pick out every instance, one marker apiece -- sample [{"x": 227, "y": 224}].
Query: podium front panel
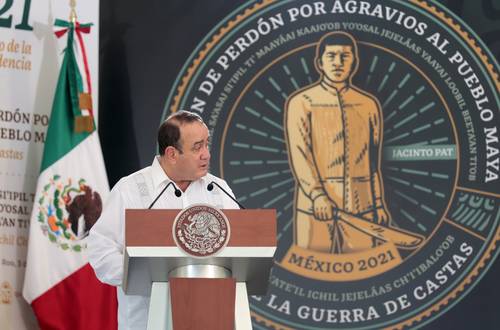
[{"x": 151, "y": 253}]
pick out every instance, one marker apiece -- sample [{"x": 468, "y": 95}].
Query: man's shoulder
[
  {"x": 363, "y": 97},
  {"x": 308, "y": 93},
  {"x": 134, "y": 177}
]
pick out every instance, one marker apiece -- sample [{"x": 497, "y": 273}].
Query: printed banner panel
[
  {"x": 372, "y": 127},
  {"x": 30, "y": 56}
]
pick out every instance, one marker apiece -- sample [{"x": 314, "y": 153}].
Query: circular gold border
[
  {"x": 440, "y": 16},
  {"x": 465, "y": 36}
]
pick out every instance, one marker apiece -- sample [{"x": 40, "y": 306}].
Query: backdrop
[
  {"x": 30, "y": 58},
  {"x": 158, "y": 55}
]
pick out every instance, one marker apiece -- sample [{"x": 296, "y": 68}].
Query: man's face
[
  {"x": 193, "y": 162},
  {"x": 336, "y": 62}
]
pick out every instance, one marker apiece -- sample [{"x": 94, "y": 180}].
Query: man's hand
[
  {"x": 381, "y": 217},
  {"x": 323, "y": 208}
]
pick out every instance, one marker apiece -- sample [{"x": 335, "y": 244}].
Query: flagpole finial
[{"x": 72, "y": 13}]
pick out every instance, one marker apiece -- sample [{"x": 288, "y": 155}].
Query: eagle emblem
[
  {"x": 201, "y": 230},
  {"x": 67, "y": 211}
]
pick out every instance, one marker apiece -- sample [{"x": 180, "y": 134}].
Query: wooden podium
[{"x": 198, "y": 293}]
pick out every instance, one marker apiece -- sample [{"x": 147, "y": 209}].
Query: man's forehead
[
  {"x": 192, "y": 132},
  {"x": 338, "y": 48}
]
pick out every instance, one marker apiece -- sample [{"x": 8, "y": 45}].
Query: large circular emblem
[
  {"x": 201, "y": 230},
  {"x": 372, "y": 128}
]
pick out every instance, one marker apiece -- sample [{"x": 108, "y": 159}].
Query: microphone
[
  {"x": 210, "y": 187},
  {"x": 177, "y": 192}
]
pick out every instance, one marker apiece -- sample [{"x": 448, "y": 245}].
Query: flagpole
[
  {"x": 83, "y": 122},
  {"x": 72, "y": 13}
]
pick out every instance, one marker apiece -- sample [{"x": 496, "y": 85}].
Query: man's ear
[
  {"x": 319, "y": 65},
  {"x": 171, "y": 154}
]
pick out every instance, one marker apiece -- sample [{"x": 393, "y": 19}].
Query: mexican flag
[{"x": 59, "y": 283}]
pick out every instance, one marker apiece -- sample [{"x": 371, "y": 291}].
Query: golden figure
[{"x": 334, "y": 137}]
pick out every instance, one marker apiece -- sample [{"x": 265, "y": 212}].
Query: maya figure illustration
[{"x": 334, "y": 138}]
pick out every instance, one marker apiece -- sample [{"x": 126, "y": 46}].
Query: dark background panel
[{"x": 143, "y": 47}]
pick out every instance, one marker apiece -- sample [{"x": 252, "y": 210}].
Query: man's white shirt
[{"x": 106, "y": 238}]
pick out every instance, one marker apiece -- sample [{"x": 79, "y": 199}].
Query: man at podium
[{"x": 176, "y": 179}]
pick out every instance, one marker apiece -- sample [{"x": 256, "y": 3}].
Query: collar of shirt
[
  {"x": 332, "y": 89},
  {"x": 160, "y": 178}
]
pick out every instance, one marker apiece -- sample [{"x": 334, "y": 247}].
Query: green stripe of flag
[{"x": 61, "y": 137}]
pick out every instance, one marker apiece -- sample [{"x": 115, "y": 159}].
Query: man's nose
[
  {"x": 205, "y": 155},
  {"x": 337, "y": 60}
]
